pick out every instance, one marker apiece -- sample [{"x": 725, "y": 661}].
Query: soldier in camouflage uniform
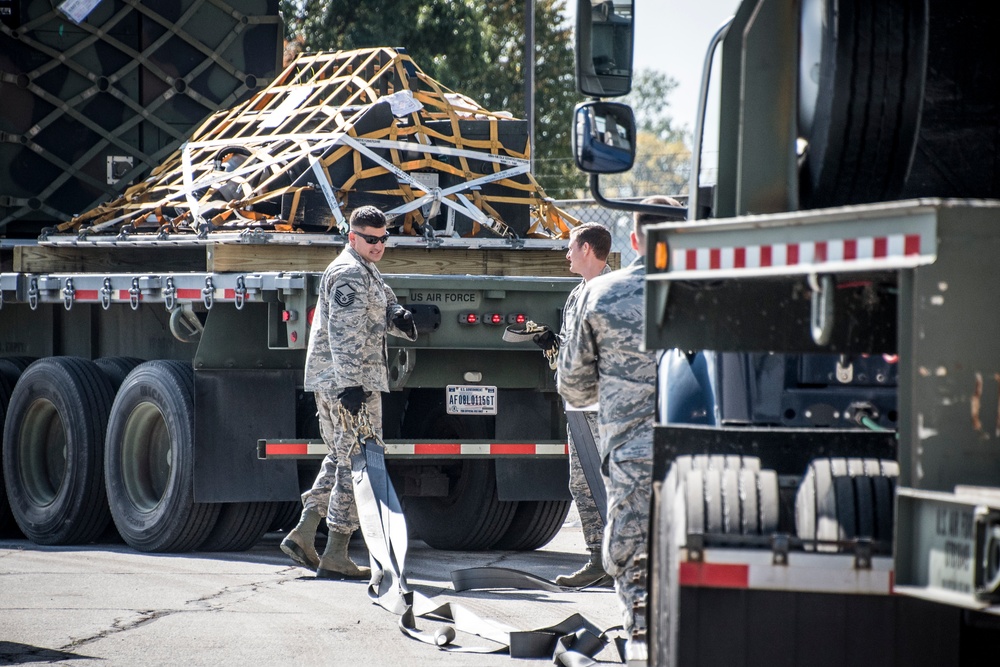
[
  {"x": 346, "y": 365},
  {"x": 589, "y": 246},
  {"x": 604, "y": 362}
]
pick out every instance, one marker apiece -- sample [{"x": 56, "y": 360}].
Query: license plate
[{"x": 471, "y": 400}]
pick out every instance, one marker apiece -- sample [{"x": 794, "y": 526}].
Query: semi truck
[
  {"x": 170, "y": 194},
  {"x": 826, "y": 471}
]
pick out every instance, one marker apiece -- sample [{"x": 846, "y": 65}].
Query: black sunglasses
[{"x": 372, "y": 239}]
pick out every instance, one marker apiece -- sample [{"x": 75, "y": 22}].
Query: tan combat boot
[
  {"x": 588, "y": 575},
  {"x": 300, "y": 543},
  {"x": 336, "y": 564}
]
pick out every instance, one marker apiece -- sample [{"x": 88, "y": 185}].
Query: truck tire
[
  {"x": 725, "y": 494},
  {"x": 149, "y": 461},
  {"x": 534, "y": 525},
  {"x": 861, "y": 86},
  {"x": 53, "y": 451},
  {"x": 664, "y": 539},
  {"x": 679, "y": 508},
  {"x": 714, "y": 506},
  {"x": 117, "y": 368},
  {"x": 286, "y": 515},
  {"x": 10, "y": 370},
  {"x": 469, "y": 518},
  {"x": 845, "y": 499},
  {"x": 240, "y": 526},
  {"x": 8, "y": 527}
]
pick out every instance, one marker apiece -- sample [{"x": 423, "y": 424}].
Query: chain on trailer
[{"x": 335, "y": 131}]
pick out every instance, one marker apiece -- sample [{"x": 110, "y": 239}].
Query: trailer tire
[
  {"x": 286, "y": 515},
  {"x": 8, "y": 527},
  {"x": 117, "y": 368},
  {"x": 149, "y": 461},
  {"x": 10, "y": 370},
  {"x": 469, "y": 518},
  {"x": 53, "y": 451},
  {"x": 845, "y": 499},
  {"x": 534, "y": 525},
  {"x": 725, "y": 494},
  {"x": 240, "y": 526}
]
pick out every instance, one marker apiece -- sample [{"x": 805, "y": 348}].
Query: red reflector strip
[
  {"x": 123, "y": 295},
  {"x": 806, "y": 253},
  {"x": 434, "y": 448},
  {"x": 316, "y": 448},
  {"x": 189, "y": 294},
  {"x": 86, "y": 295},
  {"x": 714, "y": 575},
  {"x": 287, "y": 448}
]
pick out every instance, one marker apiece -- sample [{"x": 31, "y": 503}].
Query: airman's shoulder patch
[{"x": 344, "y": 295}]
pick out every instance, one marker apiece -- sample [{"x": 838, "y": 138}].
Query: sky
[{"x": 672, "y": 36}]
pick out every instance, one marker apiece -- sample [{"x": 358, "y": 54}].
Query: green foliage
[
  {"x": 650, "y": 92},
  {"x": 663, "y": 160},
  {"x": 474, "y": 48}
]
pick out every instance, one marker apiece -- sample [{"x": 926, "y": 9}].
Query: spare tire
[{"x": 861, "y": 83}]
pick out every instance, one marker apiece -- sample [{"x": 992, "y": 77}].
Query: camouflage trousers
[
  {"x": 590, "y": 518},
  {"x": 332, "y": 492},
  {"x": 627, "y": 532}
]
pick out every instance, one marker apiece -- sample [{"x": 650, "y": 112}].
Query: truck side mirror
[
  {"x": 604, "y": 30},
  {"x": 603, "y": 137}
]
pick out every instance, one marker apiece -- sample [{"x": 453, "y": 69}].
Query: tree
[
  {"x": 649, "y": 99},
  {"x": 472, "y": 47},
  {"x": 663, "y": 160}
]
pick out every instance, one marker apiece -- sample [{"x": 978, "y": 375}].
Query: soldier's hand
[
  {"x": 403, "y": 320},
  {"x": 547, "y": 340},
  {"x": 352, "y": 399}
]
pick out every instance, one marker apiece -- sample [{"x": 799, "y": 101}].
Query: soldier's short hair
[
  {"x": 367, "y": 216},
  {"x": 642, "y": 219},
  {"x": 594, "y": 233}
]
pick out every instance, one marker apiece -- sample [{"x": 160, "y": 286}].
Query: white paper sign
[{"x": 78, "y": 10}]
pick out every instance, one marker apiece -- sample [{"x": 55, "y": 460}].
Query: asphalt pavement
[{"x": 109, "y": 605}]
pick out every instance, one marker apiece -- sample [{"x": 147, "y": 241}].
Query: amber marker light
[{"x": 660, "y": 258}]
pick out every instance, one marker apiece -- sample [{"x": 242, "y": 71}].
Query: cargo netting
[{"x": 335, "y": 131}]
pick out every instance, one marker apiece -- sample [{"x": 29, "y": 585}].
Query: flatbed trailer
[{"x": 171, "y": 192}]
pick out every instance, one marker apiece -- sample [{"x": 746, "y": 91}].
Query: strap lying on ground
[{"x": 572, "y": 642}]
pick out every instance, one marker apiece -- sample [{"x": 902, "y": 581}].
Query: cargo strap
[
  {"x": 590, "y": 459},
  {"x": 527, "y": 332},
  {"x": 571, "y": 643}
]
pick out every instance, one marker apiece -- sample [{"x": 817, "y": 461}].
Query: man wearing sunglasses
[{"x": 346, "y": 365}]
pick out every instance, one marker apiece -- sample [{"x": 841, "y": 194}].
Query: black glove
[
  {"x": 352, "y": 399},
  {"x": 547, "y": 340},
  {"x": 403, "y": 320}
]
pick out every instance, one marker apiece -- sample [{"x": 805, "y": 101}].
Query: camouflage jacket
[
  {"x": 603, "y": 361},
  {"x": 347, "y": 341},
  {"x": 570, "y": 307}
]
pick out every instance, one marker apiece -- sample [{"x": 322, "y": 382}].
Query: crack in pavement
[{"x": 201, "y": 604}]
